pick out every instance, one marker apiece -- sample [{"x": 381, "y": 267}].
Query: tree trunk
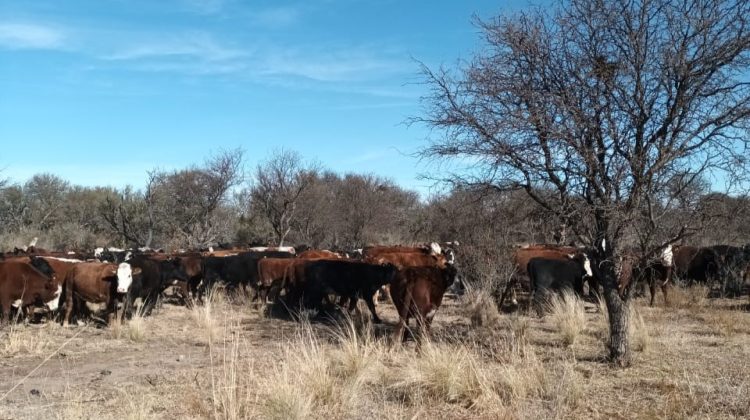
[{"x": 619, "y": 328}]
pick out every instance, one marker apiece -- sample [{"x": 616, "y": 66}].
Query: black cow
[
  {"x": 350, "y": 280},
  {"x": 155, "y": 277},
  {"x": 236, "y": 270},
  {"x": 550, "y": 275}
]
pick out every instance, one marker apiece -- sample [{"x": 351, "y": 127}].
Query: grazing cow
[
  {"x": 97, "y": 283},
  {"x": 556, "y": 275},
  {"x": 28, "y": 283},
  {"x": 156, "y": 276},
  {"x": 350, "y": 280},
  {"x": 418, "y": 292}
]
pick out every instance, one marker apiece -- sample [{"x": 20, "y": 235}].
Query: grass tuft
[{"x": 569, "y": 316}]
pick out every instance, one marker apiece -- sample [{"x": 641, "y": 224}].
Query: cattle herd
[{"x": 38, "y": 284}]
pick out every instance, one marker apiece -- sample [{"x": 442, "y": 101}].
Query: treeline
[{"x": 285, "y": 200}]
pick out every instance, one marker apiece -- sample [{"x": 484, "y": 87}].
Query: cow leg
[
  {"x": 371, "y": 306},
  {"x": 6, "y": 311},
  {"x": 399, "y": 335},
  {"x": 422, "y": 328},
  {"x": 149, "y": 303},
  {"x": 508, "y": 288},
  {"x": 69, "y": 301},
  {"x": 652, "y": 289}
]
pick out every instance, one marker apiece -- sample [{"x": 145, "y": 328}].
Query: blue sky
[{"x": 100, "y": 91}]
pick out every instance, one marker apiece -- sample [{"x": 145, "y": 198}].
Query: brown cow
[
  {"x": 403, "y": 260},
  {"x": 318, "y": 254},
  {"x": 28, "y": 283},
  {"x": 409, "y": 259},
  {"x": 97, "y": 283},
  {"x": 418, "y": 292},
  {"x": 272, "y": 273},
  {"x": 374, "y": 251}
]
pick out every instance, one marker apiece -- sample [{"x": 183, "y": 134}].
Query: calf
[
  {"x": 418, "y": 292},
  {"x": 97, "y": 283},
  {"x": 23, "y": 284}
]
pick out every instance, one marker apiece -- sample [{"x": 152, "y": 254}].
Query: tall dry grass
[
  {"x": 206, "y": 316},
  {"x": 20, "y": 339},
  {"x": 568, "y": 315}
]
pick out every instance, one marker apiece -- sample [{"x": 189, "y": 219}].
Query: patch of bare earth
[{"x": 692, "y": 360}]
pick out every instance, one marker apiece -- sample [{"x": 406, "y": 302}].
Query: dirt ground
[{"x": 692, "y": 360}]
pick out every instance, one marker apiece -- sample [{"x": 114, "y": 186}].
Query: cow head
[
  {"x": 125, "y": 275},
  {"x": 43, "y": 266},
  {"x": 450, "y": 256},
  {"x": 173, "y": 271},
  {"x": 389, "y": 272},
  {"x": 585, "y": 262},
  {"x": 450, "y": 277}
]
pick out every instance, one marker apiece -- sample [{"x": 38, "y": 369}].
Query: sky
[{"x": 101, "y": 91}]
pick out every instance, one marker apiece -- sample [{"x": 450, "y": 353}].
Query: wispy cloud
[
  {"x": 330, "y": 65},
  {"x": 194, "y": 45},
  {"x": 30, "y": 36}
]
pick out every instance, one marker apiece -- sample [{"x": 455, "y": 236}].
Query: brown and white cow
[
  {"x": 23, "y": 284},
  {"x": 97, "y": 283}
]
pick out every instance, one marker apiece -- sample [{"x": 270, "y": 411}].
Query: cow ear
[
  {"x": 113, "y": 271},
  {"x": 136, "y": 271}
]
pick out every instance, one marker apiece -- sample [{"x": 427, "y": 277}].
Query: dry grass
[
  {"x": 640, "y": 338},
  {"x": 136, "y": 330},
  {"x": 259, "y": 367},
  {"x": 481, "y": 308},
  {"x": 22, "y": 340},
  {"x": 690, "y": 298},
  {"x": 569, "y": 316},
  {"x": 205, "y": 316}
]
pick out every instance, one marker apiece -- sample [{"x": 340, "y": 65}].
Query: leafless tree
[
  {"x": 603, "y": 103},
  {"x": 180, "y": 207},
  {"x": 126, "y": 215},
  {"x": 187, "y": 200},
  {"x": 279, "y": 182}
]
